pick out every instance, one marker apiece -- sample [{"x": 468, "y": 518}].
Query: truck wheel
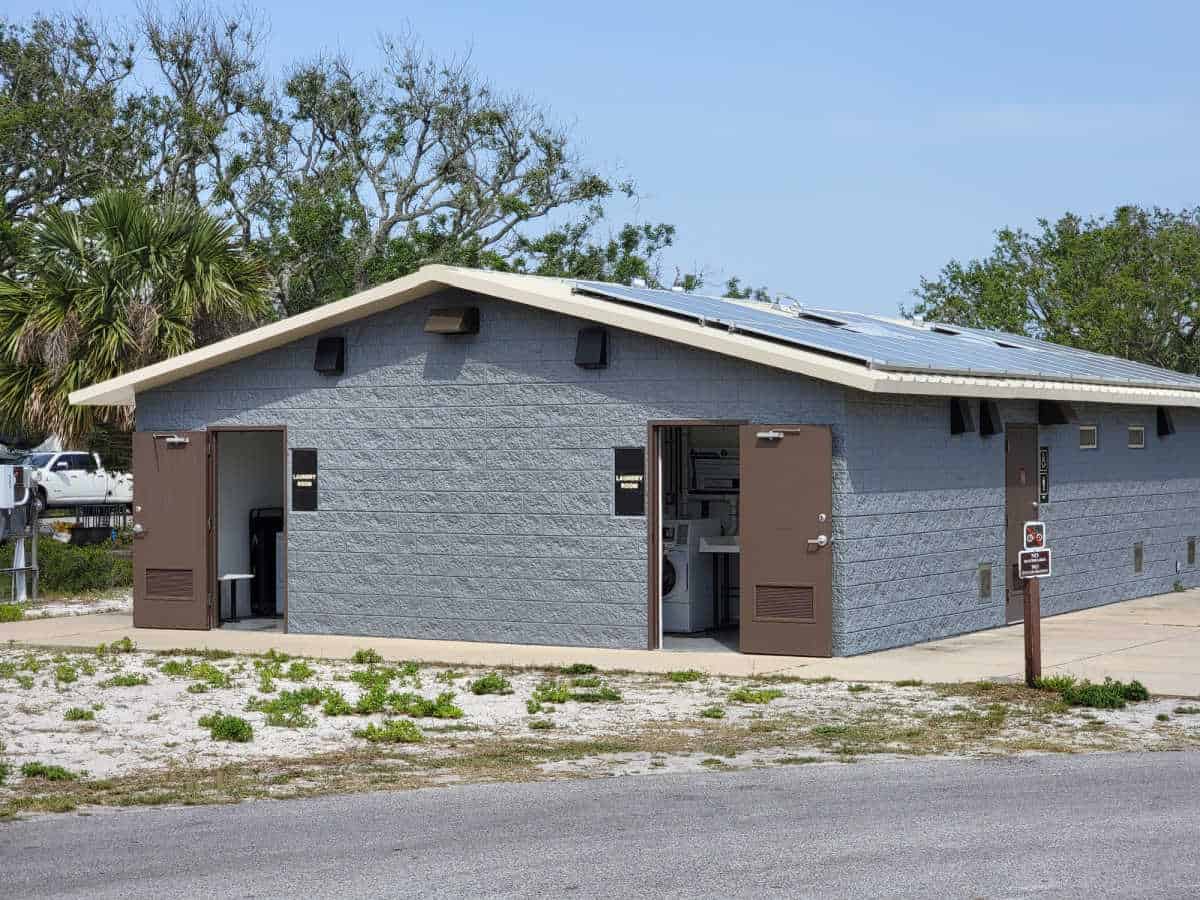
[{"x": 39, "y": 500}]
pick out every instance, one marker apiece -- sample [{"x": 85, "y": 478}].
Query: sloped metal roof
[{"x": 897, "y": 345}]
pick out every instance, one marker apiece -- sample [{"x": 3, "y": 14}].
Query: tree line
[{"x": 163, "y": 187}]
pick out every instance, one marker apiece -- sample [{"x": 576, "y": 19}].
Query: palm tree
[{"x": 117, "y": 285}]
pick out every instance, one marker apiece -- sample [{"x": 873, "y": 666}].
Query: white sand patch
[
  {"x": 155, "y": 725},
  {"x": 119, "y": 601}
]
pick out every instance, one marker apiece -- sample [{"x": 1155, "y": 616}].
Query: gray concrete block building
[{"x": 481, "y": 456}]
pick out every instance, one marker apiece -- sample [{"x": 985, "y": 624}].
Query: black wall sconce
[
  {"x": 331, "y": 356},
  {"x": 591, "y": 348}
]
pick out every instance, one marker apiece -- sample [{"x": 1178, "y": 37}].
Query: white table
[
  {"x": 721, "y": 548},
  {"x": 233, "y": 578}
]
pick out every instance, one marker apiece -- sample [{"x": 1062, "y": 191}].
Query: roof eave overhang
[{"x": 556, "y": 296}]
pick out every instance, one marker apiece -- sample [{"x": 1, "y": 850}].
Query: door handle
[{"x": 819, "y": 541}]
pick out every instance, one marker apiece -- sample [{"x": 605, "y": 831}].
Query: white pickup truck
[{"x": 70, "y": 478}]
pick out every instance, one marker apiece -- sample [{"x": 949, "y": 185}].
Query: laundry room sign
[
  {"x": 629, "y": 485},
  {"x": 304, "y": 479}
]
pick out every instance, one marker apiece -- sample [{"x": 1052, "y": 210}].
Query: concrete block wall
[
  {"x": 923, "y": 509},
  {"x": 466, "y": 481}
]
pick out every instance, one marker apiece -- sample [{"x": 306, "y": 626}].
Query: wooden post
[{"x": 1033, "y": 631}]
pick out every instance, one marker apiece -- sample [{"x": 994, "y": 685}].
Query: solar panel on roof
[{"x": 896, "y": 345}]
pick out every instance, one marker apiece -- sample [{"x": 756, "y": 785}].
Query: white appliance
[{"x": 687, "y": 578}]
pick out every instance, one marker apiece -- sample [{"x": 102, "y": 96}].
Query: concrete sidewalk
[{"x": 1155, "y": 639}]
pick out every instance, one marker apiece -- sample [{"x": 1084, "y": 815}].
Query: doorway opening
[
  {"x": 697, "y": 502},
  {"x": 250, "y": 534}
]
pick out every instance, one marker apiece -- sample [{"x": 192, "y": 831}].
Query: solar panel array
[{"x": 896, "y": 345}]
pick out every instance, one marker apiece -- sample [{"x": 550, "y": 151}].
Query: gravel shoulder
[{"x": 125, "y": 725}]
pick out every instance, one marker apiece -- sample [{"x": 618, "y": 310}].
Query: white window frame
[
  {"x": 1140, "y": 432},
  {"x": 1095, "y": 444}
]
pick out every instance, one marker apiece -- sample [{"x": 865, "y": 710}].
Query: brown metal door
[
  {"x": 170, "y": 546},
  {"x": 785, "y": 514},
  {"x": 1020, "y": 502}
]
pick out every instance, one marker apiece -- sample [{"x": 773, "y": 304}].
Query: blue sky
[{"x": 836, "y": 152}]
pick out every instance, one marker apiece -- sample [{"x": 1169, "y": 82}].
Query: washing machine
[{"x": 687, "y": 575}]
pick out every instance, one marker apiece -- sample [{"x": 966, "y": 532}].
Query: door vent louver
[
  {"x": 784, "y": 603},
  {"x": 169, "y": 584}
]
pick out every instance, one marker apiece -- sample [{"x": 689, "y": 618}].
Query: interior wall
[{"x": 250, "y": 474}]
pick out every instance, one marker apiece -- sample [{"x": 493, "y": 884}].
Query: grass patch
[
  {"x": 588, "y": 681},
  {"x": 5, "y": 768},
  {"x": 909, "y": 682},
  {"x": 685, "y": 676},
  {"x": 11, "y": 612},
  {"x": 336, "y": 704},
  {"x": 222, "y": 727},
  {"x": 540, "y": 724},
  {"x": 1187, "y": 710},
  {"x": 603, "y": 694},
  {"x": 450, "y": 676},
  {"x": 65, "y": 674},
  {"x": 492, "y": 683},
  {"x": 391, "y": 731},
  {"x": 754, "y": 695},
  {"x": 126, "y": 679},
  {"x": 124, "y": 645},
  {"x": 208, "y": 653},
  {"x": 858, "y": 688},
  {"x": 299, "y": 671},
  {"x": 366, "y": 656},
  {"x": 78, "y": 714},
  {"x": 440, "y": 707},
  {"x": 712, "y": 712},
  {"x": 798, "y": 760},
  {"x": 47, "y": 772},
  {"x": 201, "y": 672},
  {"x": 1163, "y": 717}
]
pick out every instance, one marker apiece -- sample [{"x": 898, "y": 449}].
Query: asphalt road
[{"x": 1083, "y": 826}]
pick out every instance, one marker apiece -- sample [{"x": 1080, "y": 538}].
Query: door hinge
[{"x": 209, "y": 523}]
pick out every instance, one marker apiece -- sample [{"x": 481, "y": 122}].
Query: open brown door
[
  {"x": 170, "y": 527},
  {"x": 1021, "y": 506},
  {"x": 785, "y": 515}
]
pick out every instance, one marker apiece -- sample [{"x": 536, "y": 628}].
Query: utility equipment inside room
[{"x": 701, "y": 480}]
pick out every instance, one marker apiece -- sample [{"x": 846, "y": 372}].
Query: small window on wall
[
  {"x": 1089, "y": 437},
  {"x": 1137, "y": 437}
]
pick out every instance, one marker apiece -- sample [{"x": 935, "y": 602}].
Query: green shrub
[
  {"x": 222, "y": 727},
  {"x": 48, "y": 772},
  {"x": 1187, "y": 710},
  {"x": 373, "y": 700},
  {"x": 492, "y": 683},
  {"x": 204, "y": 672},
  {"x": 578, "y": 669},
  {"x": 11, "y": 612},
  {"x": 1163, "y": 717},
  {"x": 392, "y": 731},
  {"x": 551, "y": 691},
  {"x": 68, "y": 569},
  {"x": 754, "y": 695},
  {"x": 65, "y": 674},
  {"x": 589, "y": 681},
  {"x": 712, "y": 712},
  {"x": 603, "y": 694},
  {"x": 126, "y": 679},
  {"x": 366, "y": 656},
  {"x": 541, "y": 724},
  {"x": 76, "y": 714},
  {"x": 685, "y": 675}
]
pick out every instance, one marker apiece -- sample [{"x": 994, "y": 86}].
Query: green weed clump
[
  {"x": 440, "y": 707},
  {"x": 578, "y": 669},
  {"x": 541, "y": 724},
  {"x": 588, "y": 681},
  {"x": 124, "y": 645},
  {"x": 603, "y": 694},
  {"x": 492, "y": 683},
  {"x": 754, "y": 695},
  {"x": 858, "y": 688},
  {"x": 1111, "y": 694},
  {"x": 222, "y": 727},
  {"x": 287, "y": 710},
  {"x": 11, "y": 612},
  {"x": 366, "y": 656},
  {"x": 8, "y": 669},
  {"x": 201, "y": 672},
  {"x": 1187, "y": 710},
  {"x": 391, "y": 731},
  {"x": 551, "y": 691},
  {"x": 126, "y": 679},
  {"x": 77, "y": 714},
  {"x": 65, "y": 674},
  {"x": 336, "y": 704},
  {"x": 909, "y": 682},
  {"x": 299, "y": 671},
  {"x": 712, "y": 712},
  {"x": 47, "y": 772},
  {"x": 5, "y": 768},
  {"x": 685, "y": 676}
]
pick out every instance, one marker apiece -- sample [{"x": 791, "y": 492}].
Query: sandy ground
[
  {"x": 117, "y": 601},
  {"x": 155, "y": 725}
]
